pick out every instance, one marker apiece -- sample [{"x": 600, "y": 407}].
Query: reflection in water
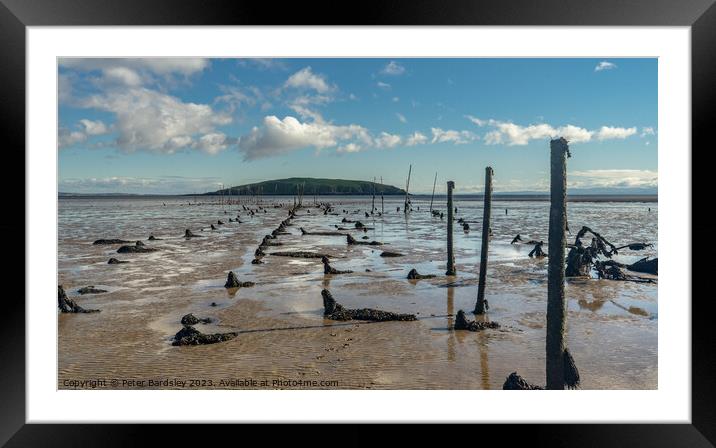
[
  {"x": 450, "y": 323},
  {"x": 280, "y": 320},
  {"x": 591, "y": 305}
]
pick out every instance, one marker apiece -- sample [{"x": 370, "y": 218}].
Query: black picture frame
[{"x": 16, "y": 15}]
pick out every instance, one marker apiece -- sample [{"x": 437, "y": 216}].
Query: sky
[{"x": 189, "y": 125}]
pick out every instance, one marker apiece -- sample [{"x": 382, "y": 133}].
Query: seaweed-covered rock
[
  {"x": 461, "y": 323},
  {"x": 212, "y": 227},
  {"x": 190, "y": 319},
  {"x": 537, "y": 251},
  {"x": 413, "y": 275},
  {"x": 353, "y": 241},
  {"x": 334, "y": 311},
  {"x": 116, "y": 261},
  {"x": 138, "y": 248},
  {"x": 219, "y": 222},
  {"x": 233, "y": 282},
  {"x": 189, "y": 234},
  {"x": 516, "y": 239},
  {"x": 386, "y": 253},
  {"x": 299, "y": 254},
  {"x": 646, "y": 266},
  {"x": 111, "y": 241},
  {"x": 153, "y": 238},
  {"x": 67, "y": 305},
  {"x": 305, "y": 232},
  {"x": 328, "y": 269},
  {"x": 191, "y": 336},
  {"x": 516, "y": 382},
  {"x": 90, "y": 290},
  {"x": 256, "y": 261}
]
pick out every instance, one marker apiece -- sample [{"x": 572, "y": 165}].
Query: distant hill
[{"x": 310, "y": 187}]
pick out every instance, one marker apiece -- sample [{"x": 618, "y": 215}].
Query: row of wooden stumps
[
  {"x": 481, "y": 306},
  {"x": 560, "y": 369}
]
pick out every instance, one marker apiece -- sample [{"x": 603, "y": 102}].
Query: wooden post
[
  {"x": 382, "y": 204},
  {"x": 372, "y": 205},
  {"x": 407, "y": 186},
  {"x": 481, "y": 306},
  {"x": 556, "y": 304},
  {"x": 433, "y": 195},
  {"x": 450, "y": 252}
]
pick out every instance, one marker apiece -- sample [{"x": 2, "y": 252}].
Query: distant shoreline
[{"x": 505, "y": 197}]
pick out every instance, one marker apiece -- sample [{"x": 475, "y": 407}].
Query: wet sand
[{"x": 612, "y": 326}]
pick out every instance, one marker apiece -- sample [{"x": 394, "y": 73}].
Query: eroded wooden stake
[
  {"x": 481, "y": 306},
  {"x": 450, "y": 253},
  {"x": 556, "y": 304}
]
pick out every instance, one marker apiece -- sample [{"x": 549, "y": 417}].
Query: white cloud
[
  {"x": 154, "y": 121},
  {"x": 383, "y": 85},
  {"x": 647, "y": 131},
  {"x": 604, "y": 65},
  {"x": 67, "y": 138},
  {"x": 142, "y": 185},
  {"x": 276, "y": 137},
  {"x": 213, "y": 143},
  {"x": 393, "y": 68},
  {"x": 476, "y": 120},
  {"x": 613, "y": 178},
  {"x": 158, "y": 66},
  {"x": 350, "y": 147},
  {"x": 609, "y": 132},
  {"x": 306, "y": 79},
  {"x": 451, "y": 136},
  {"x": 416, "y": 138},
  {"x": 94, "y": 127},
  {"x": 122, "y": 75},
  {"x": 395, "y": 99},
  {"x": 401, "y": 117},
  {"x": 386, "y": 140},
  {"x": 517, "y": 135},
  {"x": 86, "y": 128}
]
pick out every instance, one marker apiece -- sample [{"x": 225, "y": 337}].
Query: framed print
[{"x": 415, "y": 213}]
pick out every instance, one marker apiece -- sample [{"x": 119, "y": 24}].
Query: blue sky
[{"x": 189, "y": 125}]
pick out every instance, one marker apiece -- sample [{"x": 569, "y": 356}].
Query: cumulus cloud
[
  {"x": 476, "y": 120},
  {"x": 386, "y": 140},
  {"x": 306, "y": 79},
  {"x": 276, "y": 137},
  {"x": 605, "y": 65},
  {"x": 613, "y": 178},
  {"x": 393, "y": 68},
  {"x": 451, "y": 136},
  {"x": 213, "y": 143},
  {"x": 94, "y": 127},
  {"x": 158, "y": 66},
  {"x": 154, "y": 121},
  {"x": 610, "y": 132},
  {"x": 416, "y": 138},
  {"x": 350, "y": 147},
  {"x": 513, "y": 134},
  {"x": 84, "y": 129}
]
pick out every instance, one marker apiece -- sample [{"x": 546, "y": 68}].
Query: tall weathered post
[
  {"x": 382, "y": 204},
  {"x": 407, "y": 187},
  {"x": 450, "y": 252},
  {"x": 556, "y": 304},
  {"x": 481, "y": 306},
  {"x": 433, "y": 195},
  {"x": 372, "y": 205}
]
